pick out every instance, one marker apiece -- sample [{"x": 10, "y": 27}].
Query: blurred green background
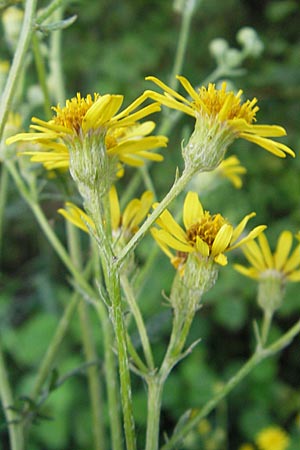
[{"x": 111, "y": 47}]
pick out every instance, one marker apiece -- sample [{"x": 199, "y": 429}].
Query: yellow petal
[
  {"x": 252, "y": 235},
  {"x": 171, "y": 103},
  {"x": 101, "y": 111},
  {"x": 202, "y": 247},
  {"x": 274, "y": 147},
  {"x": 144, "y": 206},
  {"x": 254, "y": 255},
  {"x": 241, "y": 226},
  {"x": 247, "y": 271},
  {"x": 172, "y": 242},
  {"x": 192, "y": 210},
  {"x": 166, "y": 89},
  {"x": 162, "y": 245},
  {"x": 222, "y": 239},
  {"x": 283, "y": 248},
  {"x": 293, "y": 261},
  {"x": 188, "y": 87},
  {"x": 130, "y": 212},
  {"x": 115, "y": 212},
  {"x": 166, "y": 221},
  {"x": 294, "y": 276},
  {"x": 221, "y": 259},
  {"x": 266, "y": 251}
]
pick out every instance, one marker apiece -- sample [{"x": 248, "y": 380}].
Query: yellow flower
[
  {"x": 272, "y": 438},
  {"x": 123, "y": 225},
  {"x": 217, "y": 106},
  {"x": 232, "y": 169},
  {"x": 98, "y": 118},
  {"x": 264, "y": 263},
  {"x": 205, "y": 235}
]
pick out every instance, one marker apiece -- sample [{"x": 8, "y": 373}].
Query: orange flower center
[
  {"x": 213, "y": 101},
  {"x": 71, "y": 115},
  {"x": 207, "y": 228}
]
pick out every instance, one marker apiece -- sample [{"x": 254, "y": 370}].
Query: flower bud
[
  {"x": 249, "y": 39},
  {"x": 233, "y": 58},
  {"x": 270, "y": 291},
  {"x": 218, "y": 47}
]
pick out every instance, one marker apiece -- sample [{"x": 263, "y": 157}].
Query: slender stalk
[
  {"x": 155, "y": 387},
  {"x": 55, "y": 60},
  {"x": 111, "y": 379},
  {"x": 3, "y": 197},
  {"x": 138, "y": 320},
  {"x": 252, "y": 362},
  {"x": 55, "y": 4},
  {"x": 177, "y": 187},
  {"x": 267, "y": 320},
  {"x": 89, "y": 347},
  {"x": 41, "y": 72},
  {"x": 18, "y": 61},
  {"x": 14, "y": 427},
  {"x": 100, "y": 211},
  {"x": 187, "y": 15},
  {"x": 54, "y": 346}
]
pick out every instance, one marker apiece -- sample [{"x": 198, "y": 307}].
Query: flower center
[
  {"x": 214, "y": 101},
  {"x": 71, "y": 115},
  {"x": 206, "y": 229}
]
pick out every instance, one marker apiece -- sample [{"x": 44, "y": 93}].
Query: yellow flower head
[
  {"x": 280, "y": 264},
  {"x": 272, "y": 438},
  {"x": 230, "y": 169},
  {"x": 272, "y": 270},
  {"x": 205, "y": 235},
  {"x": 123, "y": 225},
  {"x": 94, "y": 118},
  {"x": 221, "y": 117}
]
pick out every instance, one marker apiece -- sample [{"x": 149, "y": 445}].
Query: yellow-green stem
[
  {"x": 175, "y": 190},
  {"x": 127, "y": 288},
  {"x": 3, "y": 197},
  {"x": 93, "y": 374},
  {"x": 41, "y": 72},
  {"x": 7, "y": 400},
  {"x": 253, "y": 361},
  {"x": 18, "y": 62},
  {"x": 99, "y": 210}
]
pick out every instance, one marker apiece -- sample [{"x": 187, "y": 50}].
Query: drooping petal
[
  {"x": 221, "y": 259},
  {"x": 247, "y": 271},
  {"x": 202, "y": 247},
  {"x": 274, "y": 147},
  {"x": 172, "y": 242}
]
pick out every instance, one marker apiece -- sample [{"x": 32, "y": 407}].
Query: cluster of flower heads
[{"x": 220, "y": 115}]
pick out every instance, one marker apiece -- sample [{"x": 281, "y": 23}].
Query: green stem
[
  {"x": 111, "y": 379},
  {"x": 257, "y": 357},
  {"x": 155, "y": 387},
  {"x": 267, "y": 320},
  {"x": 55, "y": 60},
  {"x": 138, "y": 320},
  {"x": 49, "y": 10},
  {"x": 41, "y": 72},
  {"x": 18, "y": 62},
  {"x": 177, "y": 187},
  {"x": 100, "y": 212},
  {"x": 120, "y": 332},
  {"x": 49, "y": 233},
  {"x": 14, "y": 427},
  {"x": 3, "y": 197},
  {"x": 181, "y": 45},
  {"x": 89, "y": 347},
  {"x": 54, "y": 346}
]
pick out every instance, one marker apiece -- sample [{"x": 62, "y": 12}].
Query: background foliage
[{"x": 111, "y": 47}]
